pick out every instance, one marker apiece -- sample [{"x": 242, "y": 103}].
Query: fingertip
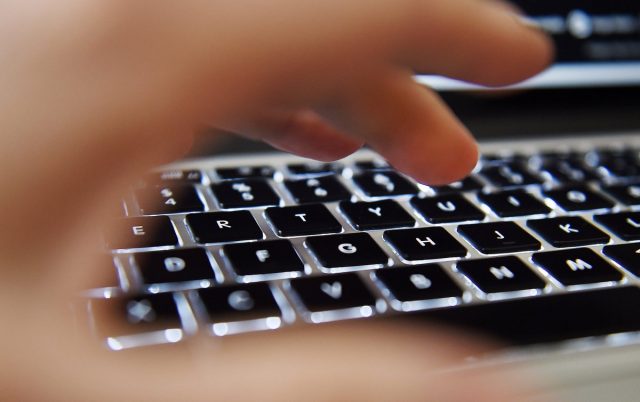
[
  {"x": 524, "y": 49},
  {"x": 436, "y": 162}
]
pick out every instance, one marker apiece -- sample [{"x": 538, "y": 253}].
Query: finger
[
  {"x": 410, "y": 126},
  {"x": 485, "y": 42},
  {"x": 334, "y": 41},
  {"x": 354, "y": 363},
  {"x": 302, "y": 132}
]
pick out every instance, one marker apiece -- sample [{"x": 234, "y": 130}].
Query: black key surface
[
  {"x": 304, "y": 169},
  {"x": 447, "y": 208},
  {"x": 509, "y": 175},
  {"x": 245, "y": 172},
  {"x": 424, "y": 243},
  {"x": 239, "y": 303},
  {"x": 542, "y": 319},
  {"x": 615, "y": 162},
  {"x": 245, "y": 193},
  {"x": 218, "y": 227},
  {"x": 346, "y": 250},
  {"x": 371, "y": 165},
  {"x": 568, "y": 231},
  {"x": 626, "y": 225},
  {"x": 303, "y": 220},
  {"x": 513, "y": 203},
  {"x": 576, "y": 266},
  {"x": 419, "y": 282},
  {"x": 568, "y": 171},
  {"x": 263, "y": 257},
  {"x": 332, "y": 292},
  {"x": 499, "y": 237},
  {"x": 168, "y": 199},
  {"x": 134, "y": 315},
  {"x": 383, "y": 184},
  {"x": 149, "y": 231},
  {"x": 317, "y": 189},
  {"x": 628, "y": 194},
  {"x": 500, "y": 274},
  {"x": 179, "y": 265},
  {"x": 384, "y": 214},
  {"x": 627, "y": 255},
  {"x": 469, "y": 183},
  {"x": 170, "y": 177},
  {"x": 578, "y": 198}
]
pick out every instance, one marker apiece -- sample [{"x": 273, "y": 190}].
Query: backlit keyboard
[{"x": 536, "y": 245}]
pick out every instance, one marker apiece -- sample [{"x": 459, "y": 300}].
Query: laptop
[{"x": 539, "y": 247}]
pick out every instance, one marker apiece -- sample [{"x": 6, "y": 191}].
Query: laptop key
[
  {"x": 627, "y": 255},
  {"x": 384, "y": 214},
  {"x": 347, "y": 250},
  {"x": 544, "y": 319},
  {"x": 218, "y": 227},
  {"x": 499, "y": 237},
  {"x": 469, "y": 183},
  {"x": 245, "y": 193},
  {"x": 148, "y": 231},
  {"x": 263, "y": 257},
  {"x": 420, "y": 282},
  {"x": 334, "y": 292},
  {"x": 500, "y": 274},
  {"x": 626, "y": 225},
  {"x": 371, "y": 165},
  {"x": 513, "y": 203},
  {"x": 168, "y": 177},
  {"x": 568, "y": 231},
  {"x": 619, "y": 163},
  {"x": 182, "y": 265},
  {"x": 628, "y": 194},
  {"x": 239, "y": 303},
  {"x": 447, "y": 208},
  {"x": 303, "y": 220},
  {"x": 578, "y": 198},
  {"x": 318, "y": 189},
  {"x": 424, "y": 243},
  {"x": 568, "y": 171},
  {"x": 304, "y": 169},
  {"x": 509, "y": 175},
  {"x": 245, "y": 172},
  {"x": 168, "y": 199},
  {"x": 383, "y": 184},
  {"x": 577, "y": 266},
  {"x": 134, "y": 315}
]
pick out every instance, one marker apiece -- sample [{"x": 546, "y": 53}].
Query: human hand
[{"x": 95, "y": 92}]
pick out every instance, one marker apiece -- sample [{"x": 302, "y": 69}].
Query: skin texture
[{"x": 93, "y": 92}]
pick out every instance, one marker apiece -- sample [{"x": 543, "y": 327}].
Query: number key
[
  {"x": 168, "y": 199},
  {"x": 318, "y": 189}
]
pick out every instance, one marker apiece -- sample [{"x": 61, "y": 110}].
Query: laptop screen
[{"x": 597, "y": 44}]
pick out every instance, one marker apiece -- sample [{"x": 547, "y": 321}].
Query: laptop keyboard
[{"x": 543, "y": 239}]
